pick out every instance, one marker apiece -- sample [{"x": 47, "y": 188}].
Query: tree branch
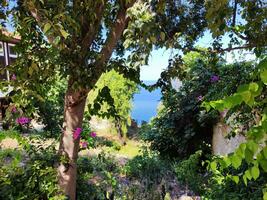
[
  {"x": 234, "y": 13},
  {"x": 248, "y": 46},
  {"x": 36, "y": 15},
  {"x": 115, "y": 33},
  {"x": 93, "y": 28}
]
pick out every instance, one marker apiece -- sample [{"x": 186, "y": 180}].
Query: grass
[{"x": 130, "y": 150}]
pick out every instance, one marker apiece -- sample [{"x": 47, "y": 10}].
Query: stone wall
[{"x": 221, "y": 145}]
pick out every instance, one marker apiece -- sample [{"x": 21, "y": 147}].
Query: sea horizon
[{"x": 145, "y": 103}]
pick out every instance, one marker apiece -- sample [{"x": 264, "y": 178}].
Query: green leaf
[
  {"x": 255, "y": 172},
  {"x": 162, "y": 36},
  {"x": 265, "y": 152},
  {"x": 213, "y": 166},
  {"x": 56, "y": 40},
  {"x": 265, "y": 196},
  {"x": 232, "y": 101},
  {"x": 246, "y": 95},
  {"x": 253, "y": 146},
  {"x": 64, "y": 33},
  {"x": 263, "y": 164},
  {"x": 242, "y": 88},
  {"x": 227, "y": 161},
  {"x": 263, "y": 75},
  {"x": 235, "y": 179},
  {"x": 248, "y": 175},
  {"x": 153, "y": 39},
  {"x": 236, "y": 161},
  {"x": 249, "y": 155},
  {"x": 47, "y": 27},
  {"x": 245, "y": 180},
  {"x": 263, "y": 63},
  {"x": 253, "y": 87}
]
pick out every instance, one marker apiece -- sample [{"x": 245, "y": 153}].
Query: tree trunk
[
  {"x": 120, "y": 133},
  {"x": 69, "y": 147}
]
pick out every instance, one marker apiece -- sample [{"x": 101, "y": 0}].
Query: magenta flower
[
  {"x": 200, "y": 98},
  {"x": 14, "y": 109},
  {"x": 77, "y": 133},
  {"x": 93, "y": 134},
  {"x": 23, "y": 120},
  {"x": 84, "y": 144},
  {"x": 214, "y": 78},
  {"x": 13, "y": 77}
]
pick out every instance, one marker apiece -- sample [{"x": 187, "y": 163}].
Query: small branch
[
  {"x": 234, "y": 13},
  {"x": 93, "y": 28},
  {"x": 233, "y": 48},
  {"x": 39, "y": 19},
  {"x": 248, "y": 46},
  {"x": 115, "y": 33}
]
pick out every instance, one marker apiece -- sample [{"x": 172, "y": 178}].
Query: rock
[{"x": 184, "y": 197}]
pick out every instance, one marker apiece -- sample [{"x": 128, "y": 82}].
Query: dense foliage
[
  {"x": 182, "y": 126},
  {"x": 121, "y": 91},
  {"x": 80, "y": 40},
  {"x": 251, "y": 154},
  {"x": 28, "y": 172}
]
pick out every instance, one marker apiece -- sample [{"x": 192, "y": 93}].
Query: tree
[
  {"x": 82, "y": 39},
  {"x": 79, "y": 40},
  {"x": 121, "y": 91}
]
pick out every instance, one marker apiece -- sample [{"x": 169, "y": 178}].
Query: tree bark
[
  {"x": 68, "y": 150},
  {"x": 120, "y": 133}
]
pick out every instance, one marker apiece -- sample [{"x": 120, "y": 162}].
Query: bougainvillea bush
[{"x": 182, "y": 125}]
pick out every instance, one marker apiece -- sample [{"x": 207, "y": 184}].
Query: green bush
[
  {"x": 191, "y": 172},
  {"x": 222, "y": 186},
  {"x": 97, "y": 177},
  {"x": 218, "y": 184},
  {"x": 147, "y": 166},
  {"x": 28, "y": 172}
]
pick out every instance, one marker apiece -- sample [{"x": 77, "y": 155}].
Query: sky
[{"x": 158, "y": 60}]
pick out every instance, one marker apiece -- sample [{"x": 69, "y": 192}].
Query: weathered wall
[{"x": 222, "y": 145}]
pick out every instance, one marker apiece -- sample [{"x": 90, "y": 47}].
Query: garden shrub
[
  {"x": 144, "y": 177},
  {"x": 97, "y": 177},
  {"x": 191, "y": 172},
  {"x": 210, "y": 185},
  {"x": 147, "y": 166},
  {"x": 221, "y": 186},
  {"x": 50, "y": 110},
  {"x": 28, "y": 172}
]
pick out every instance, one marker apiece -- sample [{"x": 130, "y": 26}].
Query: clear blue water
[{"x": 145, "y": 104}]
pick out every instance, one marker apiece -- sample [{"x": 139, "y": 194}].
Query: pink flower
[
  {"x": 77, "y": 133},
  {"x": 13, "y": 77},
  {"x": 84, "y": 144},
  {"x": 14, "y": 109},
  {"x": 214, "y": 78},
  {"x": 93, "y": 134},
  {"x": 200, "y": 98},
  {"x": 23, "y": 120}
]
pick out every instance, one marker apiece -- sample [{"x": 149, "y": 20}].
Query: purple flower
[
  {"x": 214, "y": 78},
  {"x": 200, "y": 98},
  {"x": 84, "y": 144},
  {"x": 13, "y": 77},
  {"x": 23, "y": 120},
  {"x": 93, "y": 134},
  {"x": 13, "y": 110},
  {"x": 77, "y": 133}
]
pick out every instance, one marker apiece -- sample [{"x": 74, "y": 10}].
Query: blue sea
[{"x": 145, "y": 104}]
